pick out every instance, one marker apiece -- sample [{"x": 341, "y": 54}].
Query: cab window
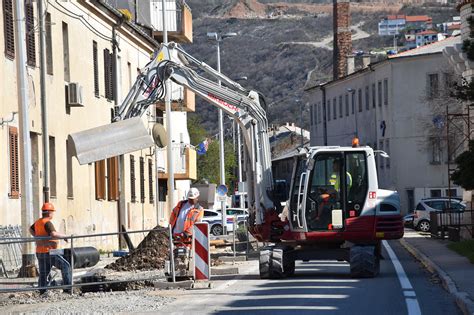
[{"x": 357, "y": 184}]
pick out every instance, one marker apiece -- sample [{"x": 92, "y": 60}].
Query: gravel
[{"x": 146, "y": 300}]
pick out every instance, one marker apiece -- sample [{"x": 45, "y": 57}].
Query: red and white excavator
[{"x": 335, "y": 209}]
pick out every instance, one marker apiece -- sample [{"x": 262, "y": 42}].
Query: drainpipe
[{"x": 28, "y": 256}]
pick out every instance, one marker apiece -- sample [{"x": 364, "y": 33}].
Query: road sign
[
  {"x": 222, "y": 190},
  {"x": 222, "y": 198}
]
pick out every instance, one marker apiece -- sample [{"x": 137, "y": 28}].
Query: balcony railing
[
  {"x": 184, "y": 159},
  {"x": 183, "y": 100},
  {"x": 179, "y": 22}
]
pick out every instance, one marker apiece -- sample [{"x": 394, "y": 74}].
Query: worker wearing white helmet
[{"x": 186, "y": 213}]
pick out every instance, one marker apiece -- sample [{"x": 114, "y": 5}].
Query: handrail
[{"x": 298, "y": 207}]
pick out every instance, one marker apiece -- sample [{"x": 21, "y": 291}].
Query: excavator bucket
[{"x": 110, "y": 140}]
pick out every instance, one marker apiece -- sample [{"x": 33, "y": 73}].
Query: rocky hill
[{"x": 280, "y": 42}]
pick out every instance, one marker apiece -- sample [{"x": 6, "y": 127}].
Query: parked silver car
[{"x": 421, "y": 219}]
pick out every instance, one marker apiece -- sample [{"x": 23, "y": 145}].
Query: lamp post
[{"x": 218, "y": 38}]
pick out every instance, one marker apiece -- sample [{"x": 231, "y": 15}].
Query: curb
[
  {"x": 224, "y": 271},
  {"x": 463, "y": 301}
]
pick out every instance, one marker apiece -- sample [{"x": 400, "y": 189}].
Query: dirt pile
[{"x": 150, "y": 254}]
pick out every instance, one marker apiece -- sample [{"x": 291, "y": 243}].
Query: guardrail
[{"x": 450, "y": 224}]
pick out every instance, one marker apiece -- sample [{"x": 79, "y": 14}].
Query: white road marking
[
  {"x": 280, "y": 307},
  {"x": 306, "y": 287},
  {"x": 300, "y": 296},
  {"x": 411, "y": 302},
  {"x": 409, "y": 293}
]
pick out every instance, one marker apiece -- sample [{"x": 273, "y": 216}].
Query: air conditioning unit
[{"x": 74, "y": 95}]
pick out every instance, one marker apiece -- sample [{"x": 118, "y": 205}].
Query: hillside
[{"x": 280, "y": 42}]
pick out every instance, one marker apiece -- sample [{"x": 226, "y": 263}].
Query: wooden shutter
[
  {"x": 14, "y": 166},
  {"x": 112, "y": 179},
  {"x": 150, "y": 180},
  {"x": 100, "y": 180},
  {"x": 96, "y": 68},
  {"x": 30, "y": 33},
  {"x": 106, "y": 73},
  {"x": 133, "y": 196},
  {"x": 8, "y": 30},
  {"x": 49, "y": 44},
  {"x": 142, "y": 179}
]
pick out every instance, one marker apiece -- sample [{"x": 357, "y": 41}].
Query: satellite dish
[{"x": 159, "y": 135}]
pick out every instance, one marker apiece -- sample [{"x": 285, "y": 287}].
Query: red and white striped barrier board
[{"x": 202, "y": 255}]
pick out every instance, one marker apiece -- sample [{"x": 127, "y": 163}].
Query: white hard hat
[{"x": 193, "y": 193}]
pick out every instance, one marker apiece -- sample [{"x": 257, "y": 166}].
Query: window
[
  {"x": 347, "y": 104},
  {"x": 69, "y": 171},
  {"x": 340, "y": 106},
  {"x": 96, "y": 68},
  {"x": 162, "y": 189},
  {"x": 410, "y": 200},
  {"x": 379, "y": 88},
  {"x": 108, "y": 75},
  {"x": 52, "y": 166},
  {"x": 66, "y": 52},
  {"x": 436, "y": 204},
  {"x": 150, "y": 181},
  {"x": 329, "y": 110},
  {"x": 8, "y": 30},
  {"x": 100, "y": 180},
  {"x": 374, "y": 98},
  {"x": 311, "y": 115},
  {"x": 451, "y": 193},
  {"x": 142, "y": 179},
  {"x": 436, "y": 152},
  {"x": 387, "y": 150},
  {"x": 360, "y": 100},
  {"x": 367, "y": 98},
  {"x": 30, "y": 33},
  {"x": 319, "y": 112},
  {"x": 334, "y": 107},
  {"x": 129, "y": 69},
  {"x": 380, "y": 156},
  {"x": 49, "y": 45},
  {"x": 14, "y": 163},
  {"x": 385, "y": 92},
  {"x": 112, "y": 179},
  {"x": 353, "y": 102},
  {"x": 433, "y": 85},
  {"x": 420, "y": 207},
  {"x": 133, "y": 195}
]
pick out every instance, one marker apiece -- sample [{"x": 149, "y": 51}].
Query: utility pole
[
  {"x": 28, "y": 256},
  {"x": 239, "y": 163},
  {"x": 44, "y": 108},
  {"x": 169, "y": 148}
]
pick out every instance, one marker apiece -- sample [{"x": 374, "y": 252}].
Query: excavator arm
[{"x": 171, "y": 62}]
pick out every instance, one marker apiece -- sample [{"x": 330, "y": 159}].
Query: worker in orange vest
[
  {"x": 44, "y": 228},
  {"x": 185, "y": 214}
]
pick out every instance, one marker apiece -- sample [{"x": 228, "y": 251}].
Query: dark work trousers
[{"x": 46, "y": 262}]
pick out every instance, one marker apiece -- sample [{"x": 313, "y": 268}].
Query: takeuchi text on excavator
[{"x": 335, "y": 209}]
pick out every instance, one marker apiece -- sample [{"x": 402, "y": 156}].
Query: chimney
[
  {"x": 366, "y": 61},
  {"x": 342, "y": 37},
  {"x": 350, "y": 64}
]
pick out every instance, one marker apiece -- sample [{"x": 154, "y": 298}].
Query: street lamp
[
  {"x": 352, "y": 91},
  {"x": 218, "y": 38}
]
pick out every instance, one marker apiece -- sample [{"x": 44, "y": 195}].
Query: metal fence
[
  {"x": 452, "y": 224},
  {"x": 80, "y": 261}
]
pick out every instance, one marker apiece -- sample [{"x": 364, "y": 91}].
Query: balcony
[
  {"x": 179, "y": 22},
  {"x": 183, "y": 100},
  {"x": 184, "y": 158}
]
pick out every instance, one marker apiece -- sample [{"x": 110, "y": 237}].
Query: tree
[
  {"x": 464, "y": 174},
  {"x": 208, "y": 164}
]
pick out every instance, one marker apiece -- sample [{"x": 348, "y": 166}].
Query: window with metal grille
[
  {"x": 52, "y": 166},
  {"x": 100, "y": 180},
  {"x": 385, "y": 92},
  {"x": 67, "y": 75},
  {"x": 49, "y": 44},
  {"x": 96, "y": 68},
  {"x": 133, "y": 195},
  {"x": 367, "y": 98},
  {"x": 360, "y": 100},
  {"x": 112, "y": 179},
  {"x": 329, "y": 110},
  {"x": 347, "y": 104},
  {"x": 108, "y": 75},
  {"x": 142, "y": 179},
  {"x": 30, "y": 33},
  {"x": 334, "y": 108},
  {"x": 340, "y": 106},
  {"x": 14, "y": 166},
  {"x": 374, "y": 98},
  {"x": 150, "y": 181},
  {"x": 379, "y": 89},
  {"x": 69, "y": 172},
  {"x": 8, "y": 30}
]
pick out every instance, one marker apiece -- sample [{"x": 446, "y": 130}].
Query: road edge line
[{"x": 463, "y": 301}]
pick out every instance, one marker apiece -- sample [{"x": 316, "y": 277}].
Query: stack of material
[{"x": 150, "y": 254}]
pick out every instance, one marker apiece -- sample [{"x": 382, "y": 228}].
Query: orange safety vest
[
  {"x": 43, "y": 246},
  {"x": 193, "y": 216}
]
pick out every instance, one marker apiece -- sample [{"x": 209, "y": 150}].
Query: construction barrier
[{"x": 202, "y": 255}]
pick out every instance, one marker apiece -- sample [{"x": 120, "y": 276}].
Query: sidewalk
[{"x": 456, "y": 271}]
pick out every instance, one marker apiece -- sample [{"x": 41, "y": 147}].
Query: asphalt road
[{"x": 403, "y": 287}]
